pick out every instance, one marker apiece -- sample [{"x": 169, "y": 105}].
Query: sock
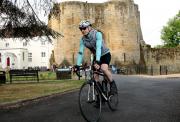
[{"x": 112, "y": 81}]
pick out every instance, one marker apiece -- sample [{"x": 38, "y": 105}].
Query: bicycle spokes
[
  {"x": 88, "y": 101},
  {"x": 91, "y": 92}
]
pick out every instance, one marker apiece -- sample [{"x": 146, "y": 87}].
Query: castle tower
[{"x": 119, "y": 20}]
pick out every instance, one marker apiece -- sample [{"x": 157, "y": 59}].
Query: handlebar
[
  {"x": 99, "y": 72},
  {"x": 81, "y": 68},
  {"x": 78, "y": 72}
]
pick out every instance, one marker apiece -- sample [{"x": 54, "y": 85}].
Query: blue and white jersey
[{"x": 95, "y": 43}]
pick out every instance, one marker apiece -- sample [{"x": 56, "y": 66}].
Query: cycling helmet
[{"x": 84, "y": 24}]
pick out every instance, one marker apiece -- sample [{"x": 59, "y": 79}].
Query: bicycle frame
[
  {"x": 94, "y": 84},
  {"x": 93, "y": 94}
]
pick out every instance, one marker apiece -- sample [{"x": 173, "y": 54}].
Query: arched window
[{"x": 124, "y": 57}]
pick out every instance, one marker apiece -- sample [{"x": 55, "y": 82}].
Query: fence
[
  {"x": 2, "y": 77},
  {"x": 149, "y": 70}
]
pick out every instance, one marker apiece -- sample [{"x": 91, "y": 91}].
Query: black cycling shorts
[{"x": 105, "y": 59}]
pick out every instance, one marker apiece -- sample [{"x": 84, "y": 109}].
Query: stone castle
[{"x": 119, "y": 20}]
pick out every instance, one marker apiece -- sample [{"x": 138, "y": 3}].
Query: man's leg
[
  {"x": 113, "y": 88},
  {"x": 104, "y": 68}
]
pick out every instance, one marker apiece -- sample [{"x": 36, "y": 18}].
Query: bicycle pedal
[
  {"x": 97, "y": 105},
  {"x": 103, "y": 102},
  {"x": 92, "y": 101},
  {"x": 90, "y": 82}
]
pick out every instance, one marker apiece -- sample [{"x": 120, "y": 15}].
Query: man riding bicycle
[{"x": 92, "y": 39}]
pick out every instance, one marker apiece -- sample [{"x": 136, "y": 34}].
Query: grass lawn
[{"x": 27, "y": 90}]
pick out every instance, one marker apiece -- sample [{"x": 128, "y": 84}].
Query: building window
[
  {"x": 0, "y": 57},
  {"x": 30, "y": 57},
  {"x": 43, "y": 54},
  {"x": 7, "y": 44},
  {"x": 42, "y": 42},
  {"x": 24, "y": 44},
  {"x": 23, "y": 56}
]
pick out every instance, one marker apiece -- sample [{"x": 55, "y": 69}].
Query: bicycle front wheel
[
  {"x": 90, "y": 105},
  {"x": 113, "y": 101}
]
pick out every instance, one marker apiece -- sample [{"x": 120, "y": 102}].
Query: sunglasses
[{"x": 82, "y": 28}]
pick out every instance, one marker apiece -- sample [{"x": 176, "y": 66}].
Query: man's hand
[
  {"x": 76, "y": 68},
  {"x": 97, "y": 65}
]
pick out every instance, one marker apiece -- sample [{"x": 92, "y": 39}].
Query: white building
[{"x": 21, "y": 54}]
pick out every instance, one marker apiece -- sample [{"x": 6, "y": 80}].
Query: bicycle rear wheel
[
  {"x": 88, "y": 106},
  {"x": 113, "y": 101}
]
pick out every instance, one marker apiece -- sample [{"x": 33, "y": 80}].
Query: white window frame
[
  {"x": 43, "y": 54},
  {"x": 7, "y": 44},
  {"x": 29, "y": 57}
]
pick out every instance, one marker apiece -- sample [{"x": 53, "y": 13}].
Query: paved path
[{"x": 142, "y": 99}]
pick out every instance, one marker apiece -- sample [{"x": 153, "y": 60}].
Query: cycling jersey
[{"x": 95, "y": 43}]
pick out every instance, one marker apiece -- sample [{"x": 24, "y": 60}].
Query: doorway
[{"x": 8, "y": 61}]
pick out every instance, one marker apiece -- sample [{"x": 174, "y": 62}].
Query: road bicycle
[{"x": 93, "y": 94}]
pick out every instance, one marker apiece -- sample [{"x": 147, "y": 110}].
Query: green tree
[{"x": 170, "y": 34}]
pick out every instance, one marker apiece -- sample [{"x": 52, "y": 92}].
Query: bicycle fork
[{"x": 92, "y": 87}]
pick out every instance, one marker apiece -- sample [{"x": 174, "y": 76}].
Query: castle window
[
  {"x": 122, "y": 42},
  {"x": 63, "y": 9},
  {"x": 124, "y": 57},
  {"x": 72, "y": 18}
]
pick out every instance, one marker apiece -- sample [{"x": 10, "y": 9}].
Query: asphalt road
[{"x": 141, "y": 100}]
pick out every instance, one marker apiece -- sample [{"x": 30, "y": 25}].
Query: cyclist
[{"x": 92, "y": 39}]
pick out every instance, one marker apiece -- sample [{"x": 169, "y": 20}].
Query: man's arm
[
  {"x": 98, "y": 45},
  {"x": 80, "y": 53}
]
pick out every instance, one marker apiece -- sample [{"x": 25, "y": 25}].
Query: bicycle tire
[
  {"x": 113, "y": 101},
  {"x": 87, "y": 107}
]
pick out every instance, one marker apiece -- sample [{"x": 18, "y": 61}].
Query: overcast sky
[{"x": 154, "y": 15}]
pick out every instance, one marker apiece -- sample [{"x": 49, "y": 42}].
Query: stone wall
[
  {"x": 119, "y": 20},
  {"x": 168, "y": 57}
]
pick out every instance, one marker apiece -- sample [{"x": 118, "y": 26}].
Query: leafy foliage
[
  {"x": 170, "y": 34},
  {"x": 19, "y": 18}
]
